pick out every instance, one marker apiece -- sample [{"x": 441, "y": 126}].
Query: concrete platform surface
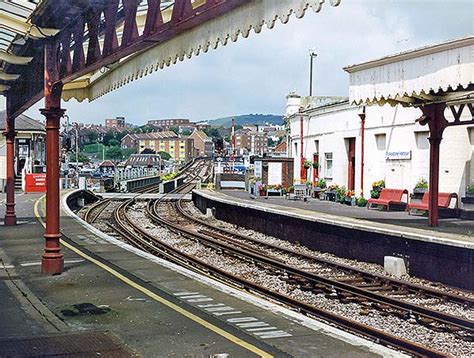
[
  {"x": 455, "y": 232},
  {"x": 144, "y": 305}
]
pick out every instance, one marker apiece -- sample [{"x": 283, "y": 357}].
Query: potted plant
[
  {"x": 307, "y": 164},
  {"x": 348, "y": 198},
  {"x": 331, "y": 193},
  {"x": 421, "y": 186},
  {"x": 377, "y": 187},
  {"x": 341, "y": 194},
  {"x": 470, "y": 191},
  {"x": 361, "y": 202}
]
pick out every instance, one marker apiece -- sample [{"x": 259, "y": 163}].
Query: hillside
[{"x": 247, "y": 119}]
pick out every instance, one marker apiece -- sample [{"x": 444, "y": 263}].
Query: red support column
[
  {"x": 10, "y": 216},
  {"x": 302, "y": 168},
  {"x": 433, "y": 114},
  {"x": 52, "y": 261},
  {"x": 362, "y": 151}
]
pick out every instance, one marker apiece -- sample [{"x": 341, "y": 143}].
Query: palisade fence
[{"x": 135, "y": 173}]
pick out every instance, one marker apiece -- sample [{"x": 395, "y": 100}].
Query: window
[
  {"x": 328, "y": 165},
  {"x": 296, "y": 149},
  {"x": 422, "y": 140},
  {"x": 381, "y": 141}
]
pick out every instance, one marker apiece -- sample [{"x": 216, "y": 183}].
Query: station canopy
[
  {"x": 181, "y": 29},
  {"x": 442, "y": 73}
]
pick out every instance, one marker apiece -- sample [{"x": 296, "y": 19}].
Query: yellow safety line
[{"x": 156, "y": 297}]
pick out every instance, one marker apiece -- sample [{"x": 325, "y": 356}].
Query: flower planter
[{"x": 418, "y": 193}]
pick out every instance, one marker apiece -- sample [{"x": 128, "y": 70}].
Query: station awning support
[
  {"x": 52, "y": 261},
  {"x": 10, "y": 215}
]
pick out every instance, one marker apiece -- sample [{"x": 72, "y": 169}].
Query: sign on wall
[
  {"x": 398, "y": 155},
  {"x": 35, "y": 183},
  {"x": 274, "y": 173}
]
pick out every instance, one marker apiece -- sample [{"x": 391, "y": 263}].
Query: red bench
[
  {"x": 390, "y": 197},
  {"x": 444, "y": 200}
]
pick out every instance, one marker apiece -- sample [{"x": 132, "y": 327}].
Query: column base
[
  {"x": 52, "y": 265},
  {"x": 10, "y": 220}
]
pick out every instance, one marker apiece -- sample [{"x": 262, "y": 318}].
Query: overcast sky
[{"x": 255, "y": 74}]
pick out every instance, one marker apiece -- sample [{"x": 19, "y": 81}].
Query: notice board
[
  {"x": 274, "y": 173},
  {"x": 35, "y": 183}
]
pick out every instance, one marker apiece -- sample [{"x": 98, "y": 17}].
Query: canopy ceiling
[{"x": 439, "y": 73}]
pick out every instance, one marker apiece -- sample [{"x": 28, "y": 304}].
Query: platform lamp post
[{"x": 312, "y": 56}]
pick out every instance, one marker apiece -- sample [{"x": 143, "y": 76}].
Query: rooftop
[{"x": 23, "y": 123}]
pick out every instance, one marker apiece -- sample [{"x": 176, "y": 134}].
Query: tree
[
  {"x": 114, "y": 143},
  {"x": 270, "y": 142},
  {"x": 164, "y": 155},
  {"x": 82, "y": 158},
  {"x": 108, "y": 137},
  {"x": 174, "y": 129},
  {"x": 186, "y": 132},
  {"x": 114, "y": 153},
  {"x": 92, "y": 136}
]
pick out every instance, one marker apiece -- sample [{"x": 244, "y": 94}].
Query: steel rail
[
  {"x": 150, "y": 243},
  {"x": 99, "y": 207},
  {"x": 315, "y": 280},
  {"x": 373, "y": 277}
]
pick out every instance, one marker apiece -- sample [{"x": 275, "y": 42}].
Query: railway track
[
  {"x": 94, "y": 211},
  {"x": 352, "y": 286}
]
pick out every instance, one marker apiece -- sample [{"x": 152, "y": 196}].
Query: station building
[
  {"x": 29, "y": 149},
  {"x": 396, "y": 146}
]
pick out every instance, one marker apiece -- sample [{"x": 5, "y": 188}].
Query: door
[{"x": 351, "y": 163}]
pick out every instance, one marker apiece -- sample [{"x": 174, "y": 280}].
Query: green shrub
[
  {"x": 470, "y": 189},
  {"x": 361, "y": 202},
  {"x": 374, "y": 194},
  {"x": 421, "y": 184}
]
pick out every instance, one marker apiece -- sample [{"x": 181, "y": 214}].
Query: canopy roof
[
  {"x": 100, "y": 50},
  {"x": 439, "y": 73}
]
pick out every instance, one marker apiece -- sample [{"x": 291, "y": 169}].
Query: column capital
[{"x": 52, "y": 112}]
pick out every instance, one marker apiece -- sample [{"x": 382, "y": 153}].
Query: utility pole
[{"x": 312, "y": 56}]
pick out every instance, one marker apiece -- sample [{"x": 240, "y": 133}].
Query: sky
[{"x": 254, "y": 75}]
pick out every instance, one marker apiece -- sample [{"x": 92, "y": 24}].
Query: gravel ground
[
  {"x": 369, "y": 267},
  {"x": 448, "y": 343}
]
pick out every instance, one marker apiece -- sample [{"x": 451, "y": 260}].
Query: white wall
[{"x": 331, "y": 125}]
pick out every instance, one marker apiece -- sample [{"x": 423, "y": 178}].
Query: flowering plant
[
  {"x": 307, "y": 164},
  {"x": 350, "y": 193},
  {"x": 379, "y": 184}
]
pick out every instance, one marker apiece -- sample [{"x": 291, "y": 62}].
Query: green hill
[{"x": 247, "y": 119}]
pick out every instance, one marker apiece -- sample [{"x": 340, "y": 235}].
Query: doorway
[{"x": 351, "y": 164}]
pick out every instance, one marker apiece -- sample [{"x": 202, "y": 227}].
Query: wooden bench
[
  {"x": 390, "y": 198},
  {"x": 444, "y": 202}
]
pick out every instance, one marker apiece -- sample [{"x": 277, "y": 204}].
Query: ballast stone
[{"x": 394, "y": 266}]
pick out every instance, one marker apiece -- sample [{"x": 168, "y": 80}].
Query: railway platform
[
  {"x": 116, "y": 300},
  {"x": 442, "y": 254}
]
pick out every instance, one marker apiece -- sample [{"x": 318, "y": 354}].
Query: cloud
[{"x": 254, "y": 75}]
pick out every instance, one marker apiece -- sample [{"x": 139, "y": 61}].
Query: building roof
[
  {"x": 416, "y": 77},
  {"x": 281, "y": 147},
  {"x": 107, "y": 163},
  {"x": 23, "y": 123},
  {"x": 151, "y": 135},
  {"x": 202, "y": 135},
  {"x": 144, "y": 160}
]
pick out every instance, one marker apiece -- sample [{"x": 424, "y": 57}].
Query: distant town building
[
  {"x": 180, "y": 149},
  {"x": 167, "y": 124},
  {"x": 131, "y": 140},
  {"x": 202, "y": 144},
  {"x": 250, "y": 142},
  {"x": 29, "y": 148},
  {"x": 115, "y": 123}
]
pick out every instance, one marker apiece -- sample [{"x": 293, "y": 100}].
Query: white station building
[{"x": 396, "y": 147}]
